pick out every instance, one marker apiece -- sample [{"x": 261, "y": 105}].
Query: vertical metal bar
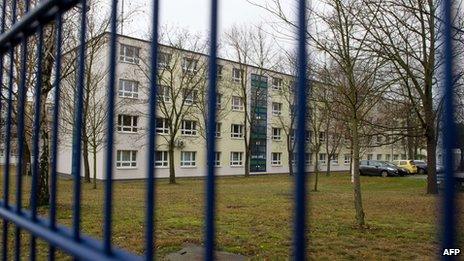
[
  {"x": 6, "y": 177},
  {"x": 77, "y": 131},
  {"x": 210, "y": 137},
  {"x": 110, "y": 130},
  {"x": 22, "y": 91},
  {"x": 36, "y": 137},
  {"x": 151, "y": 135},
  {"x": 449, "y": 218},
  {"x": 56, "y": 113},
  {"x": 299, "y": 238}
]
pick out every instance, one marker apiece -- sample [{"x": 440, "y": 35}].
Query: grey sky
[{"x": 193, "y": 15}]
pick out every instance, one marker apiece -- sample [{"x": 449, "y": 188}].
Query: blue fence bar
[
  {"x": 55, "y": 129},
  {"x": 299, "y": 237},
  {"x": 150, "y": 226},
  {"x": 449, "y": 134},
  {"x": 211, "y": 137},
  {"x": 110, "y": 131}
]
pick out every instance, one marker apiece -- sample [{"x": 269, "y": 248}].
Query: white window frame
[
  {"x": 277, "y": 137},
  {"x": 277, "y": 83},
  {"x": 165, "y": 126},
  {"x": 126, "y": 164},
  {"x": 217, "y": 159},
  {"x": 334, "y": 160},
  {"x": 276, "y": 159},
  {"x": 128, "y": 89},
  {"x": 308, "y": 158},
  {"x": 189, "y": 65},
  {"x": 191, "y": 131},
  {"x": 322, "y": 158},
  {"x": 322, "y": 136},
  {"x": 164, "y": 60},
  {"x": 237, "y": 78},
  {"x": 236, "y": 135},
  {"x": 370, "y": 156},
  {"x": 125, "y": 57},
  {"x": 132, "y": 128},
  {"x": 387, "y": 157},
  {"x": 164, "y": 93},
  {"x": 347, "y": 159},
  {"x": 237, "y": 103},
  {"x": 219, "y": 100},
  {"x": 276, "y": 108},
  {"x": 236, "y": 161},
  {"x": 219, "y": 72},
  {"x": 191, "y": 97},
  {"x": 379, "y": 158},
  {"x": 191, "y": 161},
  {"x": 163, "y": 161},
  {"x": 218, "y": 130}
]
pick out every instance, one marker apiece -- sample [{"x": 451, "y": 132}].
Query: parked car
[
  {"x": 421, "y": 166},
  {"x": 401, "y": 171},
  {"x": 406, "y": 164},
  {"x": 377, "y": 168}
]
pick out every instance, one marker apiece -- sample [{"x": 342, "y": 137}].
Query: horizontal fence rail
[{"x": 17, "y": 34}]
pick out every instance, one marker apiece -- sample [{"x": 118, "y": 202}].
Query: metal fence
[{"x": 71, "y": 240}]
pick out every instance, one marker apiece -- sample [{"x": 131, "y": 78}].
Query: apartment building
[{"x": 247, "y": 96}]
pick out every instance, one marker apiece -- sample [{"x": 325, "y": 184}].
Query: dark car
[
  {"x": 458, "y": 179},
  {"x": 401, "y": 171},
  {"x": 377, "y": 168},
  {"x": 421, "y": 166}
]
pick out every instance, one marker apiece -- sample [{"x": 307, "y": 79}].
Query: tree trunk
[
  {"x": 172, "y": 171},
  {"x": 356, "y": 176},
  {"x": 85, "y": 155},
  {"x": 94, "y": 168},
  {"x": 432, "y": 187},
  {"x": 290, "y": 155},
  {"x": 27, "y": 160},
  {"x": 327, "y": 173},
  {"x": 43, "y": 193},
  {"x": 316, "y": 173}
]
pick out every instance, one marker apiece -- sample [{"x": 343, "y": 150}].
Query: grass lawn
[{"x": 255, "y": 217}]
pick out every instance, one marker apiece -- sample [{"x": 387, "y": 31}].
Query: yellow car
[{"x": 406, "y": 164}]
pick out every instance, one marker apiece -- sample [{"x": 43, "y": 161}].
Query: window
[
  {"x": 161, "y": 158},
  {"x": 237, "y": 75},
  {"x": 308, "y": 136},
  {"x": 236, "y": 131},
  {"x": 129, "y": 54},
  {"x": 127, "y": 123},
  {"x": 218, "y": 129},
  {"x": 164, "y": 93},
  {"x": 276, "y": 159},
  {"x": 322, "y": 158},
  {"x": 188, "y": 158},
  {"x": 128, "y": 89},
  {"x": 347, "y": 159},
  {"x": 379, "y": 139},
  {"x": 379, "y": 156},
  {"x": 387, "y": 157},
  {"x": 395, "y": 157},
  {"x": 217, "y": 159},
  {"x": 276, "y": 108},
  {"x": 190, "y": 96},
  {"x": 322, "y": 136},
  {"x": 164, "y": 59},
  {"x": 277, "y": 83},
  {"x": 162, "y": 126},
  {"x": 219, "y": 71},
  {"x": 276, "y": 134},
  {"x": 189, "y": 65},
  {"x": 236, "y": 158},
  {"x": 308, "y": 158},
  {"x": 219, "y": 100},
  {"x": 189, "y": 128},
  {"x": 403, "y": 156},
  {"x": 334, "y": 160},
  {"x": 237, "y": 103},
  {"x": 126, "y": 159},
  {"x": 370, "y": 156}
]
